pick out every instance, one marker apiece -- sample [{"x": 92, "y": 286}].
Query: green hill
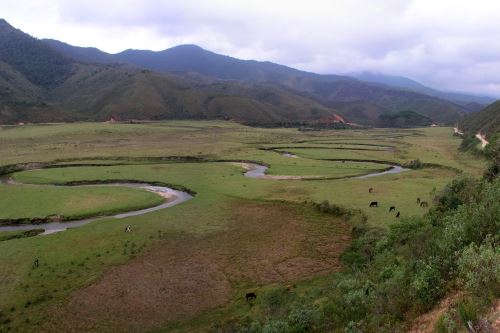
[
  {"x": 486, "y": 121},
  {"x": 37, "y": 61},
  {"x": 41, "y": 84},
  {"x": 325, "y": 89}
]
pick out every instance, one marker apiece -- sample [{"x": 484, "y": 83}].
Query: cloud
[{"x": 451, "y": 45}]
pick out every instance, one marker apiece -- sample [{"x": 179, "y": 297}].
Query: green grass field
[
  {"x": 183, "y": 267},
  {"x": 71, "y": 203}
]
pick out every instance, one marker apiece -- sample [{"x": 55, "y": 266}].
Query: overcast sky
[{"x": 447, "y": 44}]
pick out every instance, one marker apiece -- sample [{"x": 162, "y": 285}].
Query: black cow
[
  {"x": 418, "y": 200},
  {"x": 398, "y": 214},
  {"x": 374, "y": 204},
  {"x": 370, "y": 190},
  {"x": 35, "y": 263},
  {"x": 424, "y": 204},
  {"x": 392, "y": 208},
  {"x": 250, "y": 296}
]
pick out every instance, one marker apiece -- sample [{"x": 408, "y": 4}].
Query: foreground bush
[{"x": 404, "y": 270}]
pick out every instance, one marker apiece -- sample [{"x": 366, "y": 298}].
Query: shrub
[
  {"x": 303, "y": 319},
  {"x": 458, "y": 192},
  {"x": 468, "y": 312},
  {"x": 363, "y": 249},
  {"x": 339, "y": 211},
  {"x": 469, "y": 143},
  {"x": 276, "y": 326},
  {"x": 445, "y": 324},
  {"x": 479, "y": 270},
  {"x": 276, "y": 300},
  {"x": 414, "y": 164},
  {"x": 427, "y": 284},
  {"x": 253, "y": 327}
]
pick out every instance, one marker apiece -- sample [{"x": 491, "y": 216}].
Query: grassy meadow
[{"x": 188, "y": 267}]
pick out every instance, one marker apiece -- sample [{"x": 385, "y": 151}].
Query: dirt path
[
  {"x": 457, "y": 131},
  {"x": 483, "y": 140}
]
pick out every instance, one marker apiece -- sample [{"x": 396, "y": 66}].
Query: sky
[{"x": 449, "y": 45}]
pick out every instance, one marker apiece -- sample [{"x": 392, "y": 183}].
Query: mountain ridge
[
  {"x": 66, "y": 83},
  {"x": 411, "y": 84}
]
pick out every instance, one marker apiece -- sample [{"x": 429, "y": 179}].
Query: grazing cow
[
  {"x": 370, "y": 190},
  {"x": 418, "y": 200},
  {"x": 392, "y": 208},
  {"x": 128, "y": 228},
  {"x": 424, "y": 204},
  {"x": 374, "y": 204},
  {"x": 250, "y": 296},
  {"x": 36, "y": 263},
  {"x": 398, "y": 214}
]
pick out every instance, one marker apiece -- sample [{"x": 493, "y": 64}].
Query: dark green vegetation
[
  {"x": 404, "y": 119},
  {"x": 48, "y": 81},
  {"x": 317, "y": 257},
  {"x": 9, "y": 235}
]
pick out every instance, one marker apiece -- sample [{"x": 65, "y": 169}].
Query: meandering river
[{"x": 174, "y": 197}]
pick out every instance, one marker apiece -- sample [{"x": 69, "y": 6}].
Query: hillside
[
  {"x": 53, "y": 81},
  {"x": 97, "y": 93},
  {"x": 486, "y": 121},
  {"x": 326, "y": 89},
  {"x": 39, "y": 83},
  {"x": 34, "y": 59}
]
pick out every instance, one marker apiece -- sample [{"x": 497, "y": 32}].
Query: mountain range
[{"x": 48, "y": 80}]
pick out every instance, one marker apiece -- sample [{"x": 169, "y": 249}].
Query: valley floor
[{"x": 188, "y": 267}]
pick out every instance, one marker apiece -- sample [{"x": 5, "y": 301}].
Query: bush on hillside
[{"x": 479, "y": 270}]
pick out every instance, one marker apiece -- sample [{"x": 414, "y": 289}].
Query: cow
[
  {"x": 36, "y": 263},
  {"x": 398, "y": 215},
  {"x": 374, "y": 204},
  {"x": 418, "y": 200},
  {"x": 128, "y": 228},
  {"x": 250, "y": 296},
  {"x": 370, "y": 190},
  {"x": 424, "y": 204},
  {"x": 392, "y": 208}
]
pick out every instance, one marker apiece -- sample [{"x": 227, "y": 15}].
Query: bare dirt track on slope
[{"x": 184, "y": 275}]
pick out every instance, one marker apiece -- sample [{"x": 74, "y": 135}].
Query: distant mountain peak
[
  {"x": 4, "y": 25},
  {"x": 189, "y": 47}
]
